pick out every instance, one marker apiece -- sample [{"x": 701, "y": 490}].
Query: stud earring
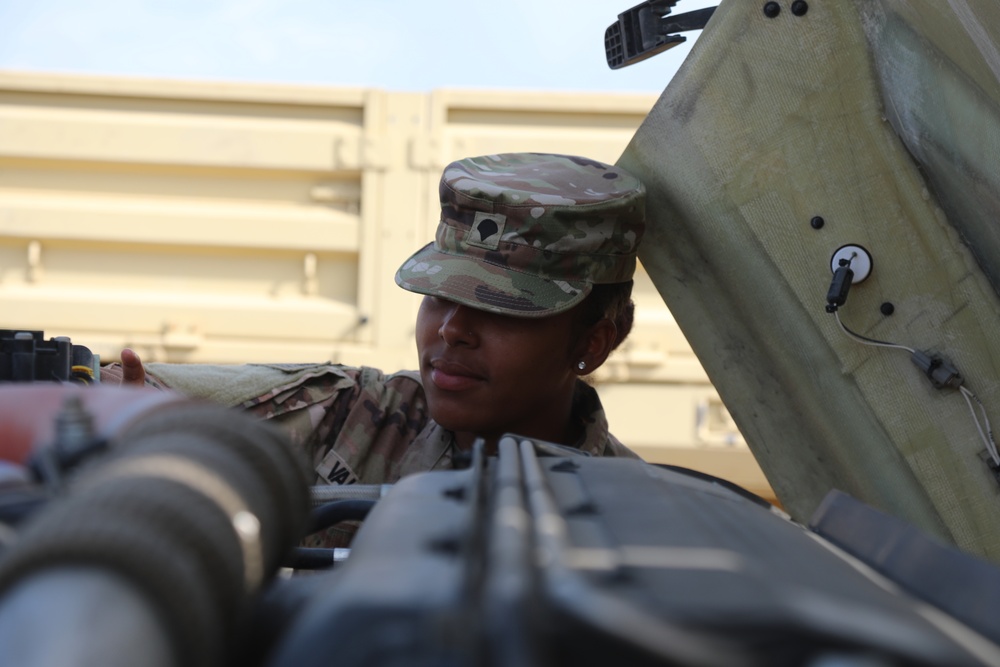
[{"x": 582, "y": 365}]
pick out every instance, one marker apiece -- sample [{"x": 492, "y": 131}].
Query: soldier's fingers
[{"x": 132, "y": 371}]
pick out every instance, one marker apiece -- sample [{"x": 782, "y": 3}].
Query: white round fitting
[{"x": 859, "y": 259}]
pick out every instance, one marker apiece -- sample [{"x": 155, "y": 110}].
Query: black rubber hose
[
  {"x": 264, "y": 448},
  {"x": 192, "y": 507},
  {"x": 331, "y": 514},
  {"x": 250, "y": 486},
  {"x": 132, "y": 532},
  {"x": 18, "y": 505},
  {"x": 306, "y": 558}
]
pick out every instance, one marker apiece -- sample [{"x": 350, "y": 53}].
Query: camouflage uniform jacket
[
  {"x": 357, "y": 425},
  {"x": 360, "y": 425}
]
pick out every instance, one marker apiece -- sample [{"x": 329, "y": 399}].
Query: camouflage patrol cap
[{"x": 529, "y": 234}]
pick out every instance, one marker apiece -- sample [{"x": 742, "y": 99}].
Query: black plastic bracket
[{"x": 647, "y": 29}]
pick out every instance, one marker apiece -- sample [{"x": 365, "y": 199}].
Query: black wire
[
  {"x": 306, "y": 558},
  {"x": 333, "y": 513},
  {"x": 704, "y": 476},
  {"x": 867, "y": 339}
]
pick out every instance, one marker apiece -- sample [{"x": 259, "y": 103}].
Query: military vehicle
[{"x": 824, "y": 193}]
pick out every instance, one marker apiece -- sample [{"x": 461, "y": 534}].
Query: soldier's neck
[{"x": 570, "y": 436}]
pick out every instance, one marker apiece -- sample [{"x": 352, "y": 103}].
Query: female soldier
[{"x": 527, "y": 288}]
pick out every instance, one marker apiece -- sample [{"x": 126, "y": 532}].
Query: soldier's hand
[{"x": 133, "y": 374}]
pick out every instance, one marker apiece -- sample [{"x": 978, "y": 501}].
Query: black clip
[
  {"x": 843, "y": 278},
  {"x": 644, "y": 30},
  {"x": 941, "y": 372}
]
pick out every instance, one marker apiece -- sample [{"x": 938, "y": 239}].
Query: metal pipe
[
  {"x": 322, "y": 495},
  {"x": 82, "y": 616}
]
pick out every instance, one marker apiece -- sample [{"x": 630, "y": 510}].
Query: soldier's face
[{"x": 486, "y": 374}]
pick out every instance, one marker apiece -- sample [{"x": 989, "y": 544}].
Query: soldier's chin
[
  {"x": 452, "y": 422},
  {"x": 456, "y": 419}
]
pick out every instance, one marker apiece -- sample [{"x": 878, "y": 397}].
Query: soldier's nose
[{"x": 458, "y": 327}]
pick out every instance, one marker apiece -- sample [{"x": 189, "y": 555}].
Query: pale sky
[{"x": 391, "y": 44}]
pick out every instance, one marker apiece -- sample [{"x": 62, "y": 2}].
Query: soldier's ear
[{"x": 597, "y": 342}]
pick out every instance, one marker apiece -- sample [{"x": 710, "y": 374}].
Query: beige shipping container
[{"x": 229, "y": 223}]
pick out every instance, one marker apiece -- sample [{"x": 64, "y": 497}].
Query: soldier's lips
[{"x": 454, "y": 377}]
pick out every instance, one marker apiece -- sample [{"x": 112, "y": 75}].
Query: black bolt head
[
  {"x": 817, "y": 222},
  {"x": 771, "y": 9},
  {"x": 800, "y": 7},
  {"x": 887, "y": 308}
]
